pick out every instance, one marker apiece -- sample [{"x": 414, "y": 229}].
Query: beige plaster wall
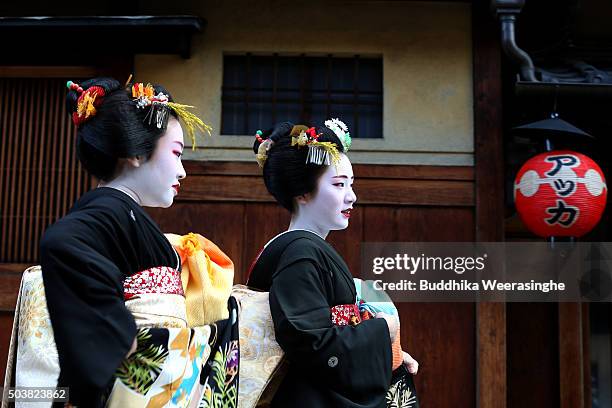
[{"x": 427, "y": 68}]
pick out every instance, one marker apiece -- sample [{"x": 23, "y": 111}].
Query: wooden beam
[
  {"x": 571, "y": 385},
  {"x": 446, "y": 186},
  {"x": 491, "y": 355},
  {"x": 586, "y": 354},
  {"x": 488, "y": 142},
  {"x": 370, "y": 191},
  {"x": 47, "y": 72},
  {"x": 412, "y": 172}
]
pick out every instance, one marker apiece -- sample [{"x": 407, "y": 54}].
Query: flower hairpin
[
  {"x": 87, "y": 102},
  {"x": 264, "y": 146},
  {"x": 320, "y": 153},
  {"x": 341, "y": 130},
  {"x": 145, "y": 96}
]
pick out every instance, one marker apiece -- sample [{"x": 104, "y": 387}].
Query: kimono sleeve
[
  {"x": 93, "y": 330},
  {"x": 354, "y": 361}
]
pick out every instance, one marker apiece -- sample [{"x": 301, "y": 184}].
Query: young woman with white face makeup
[
  {"x": 107, "y": 251},
  {"x": 334, "y": 360},
  {"x": 156, "y": 181},
  {"x": 329, "y": 207}
]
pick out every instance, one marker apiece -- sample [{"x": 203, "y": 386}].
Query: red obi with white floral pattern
[
  {"x": 161, "y": 279},
  {"x": 345, "y": 315}
]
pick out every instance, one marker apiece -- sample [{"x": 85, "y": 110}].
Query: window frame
[{"x": 358, "y": 95}]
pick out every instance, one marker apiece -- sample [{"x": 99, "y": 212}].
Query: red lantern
[{"x": 560, "y": 194}]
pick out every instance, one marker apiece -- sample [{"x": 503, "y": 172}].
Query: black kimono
[
  {"x": 330, "y": 366},
  {"x": 85, "y": 258}
]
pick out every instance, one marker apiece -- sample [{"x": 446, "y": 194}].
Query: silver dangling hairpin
[{"x": 318, "y": 155}]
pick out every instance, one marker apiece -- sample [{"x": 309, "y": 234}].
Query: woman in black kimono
[
  {"x": 107, "y": 249},
  {"x": 330, "y": 365}
]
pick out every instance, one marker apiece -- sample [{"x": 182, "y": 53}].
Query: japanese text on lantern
[{"x": 560, "y": 193}]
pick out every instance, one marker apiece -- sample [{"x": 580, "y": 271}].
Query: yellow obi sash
[{"x": 207, "y": 276}]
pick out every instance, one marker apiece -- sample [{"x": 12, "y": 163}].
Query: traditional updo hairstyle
[
  {"x": 285, "y": 171},
  {"x": 118, "y": 128}
]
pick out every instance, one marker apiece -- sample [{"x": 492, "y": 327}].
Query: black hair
[
  {"x": 117, "y": 130},
  {"x": 285, "y": 172}
]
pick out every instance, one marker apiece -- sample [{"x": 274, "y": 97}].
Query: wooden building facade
[{"x": 471, "y": 354}]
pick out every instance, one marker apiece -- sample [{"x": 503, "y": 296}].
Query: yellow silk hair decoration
[
  {"x": 321, "y": 153},
  {"x": 144, "y": 95},
  {"x": 191, "y": 121}
]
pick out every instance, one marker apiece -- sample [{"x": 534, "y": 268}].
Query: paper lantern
[{"x": 560, "y": 193}]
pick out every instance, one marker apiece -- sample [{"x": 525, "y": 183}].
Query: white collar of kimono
[
  {"x": 297, "y": 229},
  {"x": 124, "y": 190}
]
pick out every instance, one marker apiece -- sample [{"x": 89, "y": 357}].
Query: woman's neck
[
  {"x": 117, "y": 184},
  {"x": 299, "y": 223}
]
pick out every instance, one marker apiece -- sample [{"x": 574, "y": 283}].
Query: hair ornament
[
  {"x": 87, "y": 101},
  {"x": 262, "y": 151},
  {"x": 301, "y": 139},
  {"x": 258, "y": 135},
  {"x": 323, "y": 153},
  {"x": 264, "y": 147},
  {"x": 341, "y": 130},
  {"x": 320, "y": 153},
  {"x": 312, "y": 133},
  {"x": 160, "y": 106},
  {"x": 73, "y": 86},
  {"x": 190, "y": 120}
]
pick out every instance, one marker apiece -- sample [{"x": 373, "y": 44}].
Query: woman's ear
[
  {"x": 134, "y": 161},
  {"x": 303, "y": 199}
]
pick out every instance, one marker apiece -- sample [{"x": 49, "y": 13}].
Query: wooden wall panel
[
  {"x": 9, "y": 290},
  {"x": 6, "y": 325},
  {"x": 240, "y": 230},
  {"x": 40, "y": 177},
  {"x": 262, "y": 223},
  {"x": 378, "y": 171},
  {"x": 369, "y": 191},
  {"x": 440, "y": 336},
  {"x": 533, "y": 351}
]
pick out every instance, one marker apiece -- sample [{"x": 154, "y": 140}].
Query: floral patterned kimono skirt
[{"x": 173, "y": 365}]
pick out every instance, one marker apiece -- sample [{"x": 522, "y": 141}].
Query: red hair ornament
[
  {"x": 560, "y": 194},
  {"x": 88, "y": 101}
]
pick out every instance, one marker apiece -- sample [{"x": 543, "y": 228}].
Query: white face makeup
[
  {"x": 155, "y": 182},
  {"x": 164, "y": 168},
  {"x": 330, "y": 207}
]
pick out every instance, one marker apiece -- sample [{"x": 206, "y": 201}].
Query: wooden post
[
  {"x": 571, "y": 386},
  {"x": 488, "y": 144}
]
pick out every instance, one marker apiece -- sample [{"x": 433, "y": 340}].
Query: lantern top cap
[{"x": 554, "y": 124}]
